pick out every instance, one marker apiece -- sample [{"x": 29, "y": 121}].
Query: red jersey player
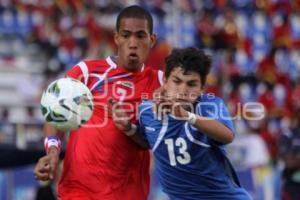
[{"x": 101, "y": 162}]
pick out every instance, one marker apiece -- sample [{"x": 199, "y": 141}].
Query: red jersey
[{"x": 101, "y": 162}]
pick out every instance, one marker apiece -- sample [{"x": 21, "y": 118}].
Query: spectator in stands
[{"x": 290, "y": 153}]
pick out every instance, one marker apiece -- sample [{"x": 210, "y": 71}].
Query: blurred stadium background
[{"x": 255, "y": 47}]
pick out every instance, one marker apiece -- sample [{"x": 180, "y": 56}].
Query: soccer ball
[{"x": 67, "y": 104}]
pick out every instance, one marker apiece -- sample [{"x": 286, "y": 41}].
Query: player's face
[
  {"x": 183, "y": 87},
  {"x": 134, "y": 43}
]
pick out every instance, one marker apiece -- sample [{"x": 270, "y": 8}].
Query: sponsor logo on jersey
[
  {"x": 149, "y": 128},
  {"x": 126, "y": 84}
]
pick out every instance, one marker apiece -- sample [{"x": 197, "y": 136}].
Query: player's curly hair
[
  {"x": 135, "y": 11},
  {"x": 190, "y": 60}
]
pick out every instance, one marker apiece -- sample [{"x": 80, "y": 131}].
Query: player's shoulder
[
  {"x": 209, "y": 98},
  {"x": 94, "y": 65},
  {"x": 152, "y": 70},
  {"x": 145, "y": 111},
  {"x": 97, "y": 65},
  {"x": 154, "y": 74},
  {"x": 86, "y": 69},
  {"x": 94, "y": 62},
  {"x": 145, "y": 106}
]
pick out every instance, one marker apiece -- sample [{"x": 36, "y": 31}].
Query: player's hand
[
  {"x": 120, "y": 117},
  {"x": 178, "y": 111},
  {"x": 46, "y": 167},
  {"x": 162, "y": 104}
]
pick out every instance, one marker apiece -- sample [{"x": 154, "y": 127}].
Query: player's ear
[
  {"x": 153, "y": 39},
  {"x": 116, "y": 38}
]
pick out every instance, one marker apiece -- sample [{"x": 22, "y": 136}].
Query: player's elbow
[{"x": 229, "y": 138}]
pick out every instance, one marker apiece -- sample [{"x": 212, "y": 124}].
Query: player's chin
[{"x": 134, "y": 64}]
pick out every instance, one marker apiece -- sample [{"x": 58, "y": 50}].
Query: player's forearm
[
  {"x": 50, "y": 131},
  {"x": 137, "y": 138},
  {"x": 214, "y": 129},
  {"x": 52, "y": 142},
  {"x": 53, "y": 151},
  {"x": 133, "y": 132}
]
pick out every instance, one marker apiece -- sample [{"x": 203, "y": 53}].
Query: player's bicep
[
  {"x": 142, "y": 137},
  {"x": 216, "y": 110},
  {"x": 139, "y": 138},
  {"x": 225, "y": 117}
]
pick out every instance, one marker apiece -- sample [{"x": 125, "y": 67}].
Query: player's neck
[{"x": 116, "y": 60}]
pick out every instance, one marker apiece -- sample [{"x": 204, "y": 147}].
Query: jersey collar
[{"x": 114, "y": 65}]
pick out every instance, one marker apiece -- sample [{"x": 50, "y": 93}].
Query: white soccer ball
[{"x": 67, "y": 104}]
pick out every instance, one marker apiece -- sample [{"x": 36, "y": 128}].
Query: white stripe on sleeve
[
  {"x": 160, "y": 77},
  {"x": 85, "y": 71}
]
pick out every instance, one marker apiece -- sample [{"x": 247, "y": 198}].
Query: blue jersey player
[{"x": 187, "y": 132}]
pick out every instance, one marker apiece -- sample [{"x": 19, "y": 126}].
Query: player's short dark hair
[
  {"x": 135, "y": 11},
  {"x": 190, "y": 60}
]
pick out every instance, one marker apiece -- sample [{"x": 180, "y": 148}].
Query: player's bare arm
[
  {"x": 210, "y": 127},
  {"x": 123, "y": 123},
  {"x": 46, "y": 167},
  {"x": 164, "y": 105}
]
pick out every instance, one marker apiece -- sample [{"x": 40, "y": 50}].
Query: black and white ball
[{"x": 67, "y": 104}]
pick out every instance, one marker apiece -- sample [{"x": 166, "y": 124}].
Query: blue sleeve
[
  {"x": 216, "y": 109},
  {"x": 142, "y": 115}
]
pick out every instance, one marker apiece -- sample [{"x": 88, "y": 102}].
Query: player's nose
[
  {"x": 182, "y": 90},
  {"x": 132, "y": 43}
]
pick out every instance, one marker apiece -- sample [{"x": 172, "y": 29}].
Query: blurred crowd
[{"x": 254, "y": 45}]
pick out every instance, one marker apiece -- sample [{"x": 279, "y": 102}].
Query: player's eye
[
  {"x": 176, "y": 81},
  {"x": 141, "y": 36},
  {"x": 192, "y": 84},
  {"x": 125, "y": 35}
]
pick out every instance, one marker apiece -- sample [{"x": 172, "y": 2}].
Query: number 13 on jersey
[{"x": 182, "y": 157}]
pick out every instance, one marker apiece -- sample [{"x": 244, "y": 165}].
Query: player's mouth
[
  {"x": 181, "y": 100},
  {"x": 133, "y": 56}
]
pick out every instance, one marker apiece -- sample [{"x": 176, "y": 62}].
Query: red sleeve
[{"x": 75, "y": 73}]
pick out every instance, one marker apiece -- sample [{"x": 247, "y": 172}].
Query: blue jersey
[{"x": 190, "y": 165}]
